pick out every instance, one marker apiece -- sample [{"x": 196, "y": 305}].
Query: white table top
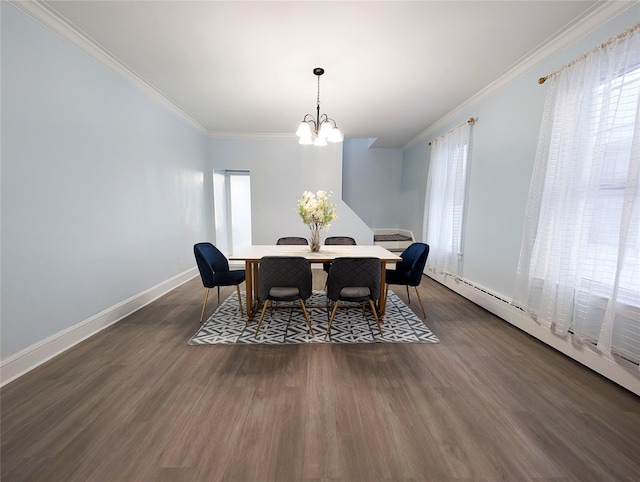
[{"x": 327, "y": 253}]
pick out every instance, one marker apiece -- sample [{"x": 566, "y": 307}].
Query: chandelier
[{"x": 318, "y": 130}]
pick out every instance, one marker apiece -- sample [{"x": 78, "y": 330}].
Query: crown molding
[
  {"x": 46, "y": 16},
  {"x": 601, "y": 13},
  {"x": 252, "y": 136}
]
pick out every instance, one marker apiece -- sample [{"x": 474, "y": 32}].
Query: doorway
[{"x": 232, "y": 209}]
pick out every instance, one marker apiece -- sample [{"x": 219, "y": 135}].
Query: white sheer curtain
[
  {"x": 579, "y": 267},
  {"x": 445, "y": 200}
]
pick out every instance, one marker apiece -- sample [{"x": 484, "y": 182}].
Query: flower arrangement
[{"x": 316, "y": 211}]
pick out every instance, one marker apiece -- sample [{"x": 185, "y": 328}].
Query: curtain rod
[
  {"x": 470, "y": 121},
  {"x": 542, "y": 80}
]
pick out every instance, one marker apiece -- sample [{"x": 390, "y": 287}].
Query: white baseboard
[
  {"x": 627, "y": 376},
  {"x": 26, "y": 360}
]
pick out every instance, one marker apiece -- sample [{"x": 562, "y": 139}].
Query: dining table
[{"x": 251, "y": 255}]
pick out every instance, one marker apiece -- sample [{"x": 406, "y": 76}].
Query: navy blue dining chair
[
  {"x": 215, "y": 272},
  {"x": 408, "y": 272}
]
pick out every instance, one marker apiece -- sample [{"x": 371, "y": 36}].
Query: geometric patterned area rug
[{"x": 288, "y": 326}]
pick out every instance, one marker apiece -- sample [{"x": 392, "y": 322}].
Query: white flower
[{"x": 316, "y": 210}]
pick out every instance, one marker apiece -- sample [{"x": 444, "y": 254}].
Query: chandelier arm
[
  {"x": 309, "y": 119},
  {"x": 326, "y": 118}
]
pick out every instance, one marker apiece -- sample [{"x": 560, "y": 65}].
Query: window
[
  {"x": 579, "y": 267},
  {"x": 445, "y": 200}
]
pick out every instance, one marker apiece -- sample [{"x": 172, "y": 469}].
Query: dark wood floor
[{"x": 136, "y": 403}]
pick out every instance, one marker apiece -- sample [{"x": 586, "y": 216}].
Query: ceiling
[{"x": 392, "y": 68}]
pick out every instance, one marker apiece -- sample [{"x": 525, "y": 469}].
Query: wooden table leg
[
  {"x": 382, "y": 300},
  {"x": 255, "y": 299},
  {"x": 248, "y": 281}
]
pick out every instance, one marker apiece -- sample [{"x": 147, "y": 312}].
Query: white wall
[
  {"x": 102, "y": 189},
  {"x": 281, "y": 170}
]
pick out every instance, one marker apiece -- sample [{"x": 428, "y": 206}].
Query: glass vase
[{"x": 314, "y": 238}]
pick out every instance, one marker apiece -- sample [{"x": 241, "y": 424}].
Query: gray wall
[
  {"x": 101, "y": 190},
  {"x": 372, "y": 183},
  {"x": 415, "y": 167},
  {"x": 502, "y": 157}
]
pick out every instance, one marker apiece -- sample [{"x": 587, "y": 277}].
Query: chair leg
[
  {"x": 386, "y": 297},
  {"x": 306, "y": 315},
  {"x": 375, "y": 315},
  {"x": 264, "y": 309},
  {"x": 333, "y": 314},
  {"x": 204, "y": 305},
  {"x": 408, "y": 297},
  {"x": 218, "y": 295},
  {"x": 239, "y": 299},
  {"x": 424, "y": 315}
]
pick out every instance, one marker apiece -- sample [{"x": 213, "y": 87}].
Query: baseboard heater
[
  {"x": 621, "y": 370},
  {"x": 487, "y": 292},
  {"x": 624, "y": 356}
]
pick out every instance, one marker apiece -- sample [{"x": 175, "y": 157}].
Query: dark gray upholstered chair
[
  {"x": 214, "y": 271},
  {"x": 355, "y": 280},
  {"x": 293, "y": 240},
  {"x": 409, "y": 271},
  {"x": 284, "y": 278},
  {"x": 343, "y": 240}
]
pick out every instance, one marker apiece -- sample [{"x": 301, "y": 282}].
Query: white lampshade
[
  {"x": 304, "y": 130},
  {"x": 335, "y": 135},
  {"x": 325, "y": 129},
  {"x": 320, "y": 141},
  {"x": 305, "y": 140}
]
